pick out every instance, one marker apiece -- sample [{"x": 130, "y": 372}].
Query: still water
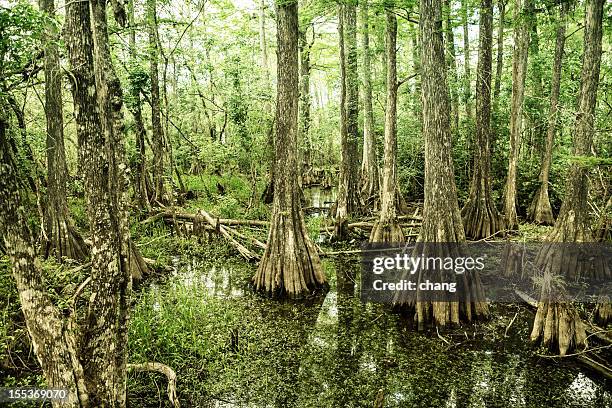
[
  {"x": 232, "y": 348},
  {"x": 335, "y": 351}
]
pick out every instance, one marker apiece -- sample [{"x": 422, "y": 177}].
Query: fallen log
[
  {"x": 192, "y": 217},
  {"x": 224, "y": 231}
]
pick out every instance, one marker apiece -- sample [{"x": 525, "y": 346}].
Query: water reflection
[{"x": 339, "y": 352}]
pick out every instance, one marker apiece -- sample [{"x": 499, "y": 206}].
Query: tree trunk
[
  {"x": 523, "y": 10},
  {"x": 441, "y": 215},
  {"x": 480, "y": 217},
  {"x": 268, "y": 194},
  {"x": 416, "y": 63},
  {"x": 159, "y": 193},
  {"x": 467, "y": 72},
  {"x": 104, "y": 341},
  {"x": 573, "y": 222},
  {"x": 348, "y": 190},
  {"x": 110, "y": 98},
  {"x": 540, "y": 210},
  {"x": 304, "y": 137},
  {"x": 452, "y": 67},
  {"x": 369, "y": 166},
  {"x": 141, "y": 186},
  {"x": 53, "y": 343},
  {"x": 290, "y": 265},
  {"x": 61, "y": 235},
  {"x": 499, "y": 66},
  {"x": 387, "y": 229}
]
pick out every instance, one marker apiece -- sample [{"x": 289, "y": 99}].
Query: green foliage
[{"x": 22, "y": 29}]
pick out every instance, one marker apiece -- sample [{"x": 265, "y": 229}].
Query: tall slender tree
[
  {"x": 442, "y": 225},
  {"x": 290, "y": 265},
  {"x": 499, "y": 67},
  {"x": 387, "y": 229},
  {"x": 540, "y": 210},
  {"x": 452, "y": 65},
  {"x": 142, "y": 184},
  {"x": 369, "y": 166},
  {"x": 467, "y": 60},
  {"x": 305, "y": 99},
  {"x": 480, "y": 217},
  {"x": 522, "y": 29},
  {"x": 61, "y": 236},
  {"x": 156, "y": 125},
  {"x": 348, "y": 203}
]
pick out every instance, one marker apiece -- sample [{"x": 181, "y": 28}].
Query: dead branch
[{"x": 162, "y": 369}]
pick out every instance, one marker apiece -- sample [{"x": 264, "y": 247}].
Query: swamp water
[{"x": 233, "y": 348}]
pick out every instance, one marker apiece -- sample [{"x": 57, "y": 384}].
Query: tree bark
[
  {"x": 499, "y": 66},
  {"x": 573, "y": 222},
  {"x": 348, "y": 190},
  {"x": 305, "y": 103},
  {"x": 452, "y": 66},
  {"x": 369, "y": 166},
  {"x": 110, "y": 98},
  {"x": 441, "y": 215},
  {"x": 159, "y": 192},
  {"x": 523, "y": 10},
  {"x": 480, "y": 217},
  {"x": 387, "y": 229},
  {"x": 54, "y": 345},
  {"x": 61, "y": 236},
  {"x": 290, "y": 265},
  {"x": 467, "y": 72},
  {"x": 540, "y": 210},
  {"x": 104, "y": 340}
]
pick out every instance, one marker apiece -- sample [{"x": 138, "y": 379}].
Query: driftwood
[
  {"x": 162, "y": 369},
  {"x": 224, "y": 231},
  {"x": 192, "y": 217},
  {"x": 590, "y": 329}
]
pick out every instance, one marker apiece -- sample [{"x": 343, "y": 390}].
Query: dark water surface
[{"x": 335, "y": 351}]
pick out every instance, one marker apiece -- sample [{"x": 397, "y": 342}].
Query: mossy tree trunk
[
  {"x": 290, "y": 266},
  {"x": 55, "y": 347},
  {"x": 369, "y": 166},
  {"x": 540, "y": 210},
  {"x": 441, "y": 216},
  {"x": 110, "y": 97},
  {"x": 522, "y": 11},
  {"x": 480, "y": 217},
  {"x": 387, "y": 228},
  {"x": 349, "y": 199},
  {"x": 62, "y": 239}
]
